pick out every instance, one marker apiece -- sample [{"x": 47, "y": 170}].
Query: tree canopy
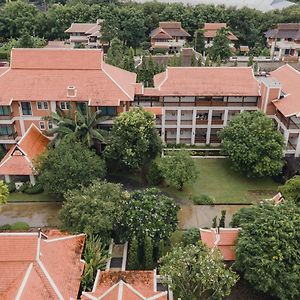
[
  {"x": 220, "y": 48},
  {"x": 253, "y": 144},
  {"x": 291, "y": 190},
  {"x": 4, "y": 192},
  {"x": 67, "y": 166},
  {"x": 194, "y": 272},
  {"x": 268, "y": 248},
  {"x": 134, "y": 139}
]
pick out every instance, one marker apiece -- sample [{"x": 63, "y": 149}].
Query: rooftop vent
[{"x": 71, "y": 91}]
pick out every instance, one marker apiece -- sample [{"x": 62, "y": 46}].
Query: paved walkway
[{"x": 196, "y": 216}]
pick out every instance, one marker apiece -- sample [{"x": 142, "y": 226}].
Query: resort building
[
  {"x": 87, "y": 34},
  {"x": 39, "y": 266},
  {"x": 169, "y": 35},
  {"x": 284, "y": 41}
]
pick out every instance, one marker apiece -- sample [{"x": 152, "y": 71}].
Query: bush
[
  {"x": 4, "y": 55},
  {"x": 154, "y": 176},
  {"x": 159, "y": 51},
  {"x": 148, "y": 253},
  {"x": 5, "y": 227},
  {"x": 176, "y": 238},
  {"x": 33, "y": 189},
  {"x": 133, "y": 257},
  {"x": 145, "y": 45},
  {"x": 19, "y": 226},
  {"x": 203, "y": 200},
  {"x": 191, "y": 237},
  {"x": 23, "y": 187},
  {"x": 11, "y": 187}
]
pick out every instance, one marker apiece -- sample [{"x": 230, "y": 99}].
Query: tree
[
  {"x": 68, "y": 166},
  {"x": 268, "y": 248},
  {"x": 222, "y": 219},
  {"x": 4, "y": 192},
  {"x": 253, "y": 144},
  {"x": 115, "y": 53},
  {"x": 26, "y": 40},
  {"x": 134, "y": 139},
  {"x": 95, "y": 257},
  {"x": 207, "y": 62},
  {"x": 133, "y": 257},
  {"x": 194, "y": 272},
  {"x": 291, "y": 190},
  {"x": 218, "y": 61},
  {"x": 142, "y": 208},
  {"x": 214, "y": 222},
  {"x": 95, "y": 209},
  {"x": 221, "y": 46},
  {"x": 128, "y": 62},
  {"x": 250, "y": 61},
  {"x": 178, "y": 168},
  {"x": 193, "y": 60},
  {"x": 148, "y": 252},
  {"x": 199, "y": 40}
]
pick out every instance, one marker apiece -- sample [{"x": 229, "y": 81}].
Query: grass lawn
[
  {"x": 22, "y": 197},
  {"x": 217, "y": 179}
]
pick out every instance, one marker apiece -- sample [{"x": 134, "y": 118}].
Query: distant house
[
  {"x": 125, "y": 285},
  {"x": 17, "y": 164},
  {"x": 210, "y": 32},
  {"x": 85, "y": 33},
  {"x": 169, "y": 35},
  {"x": 223, "y": 239},
  {"x": 284, "y": 41},
  {"x": 38, "y": 266}
]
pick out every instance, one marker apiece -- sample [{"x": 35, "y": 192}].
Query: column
[
  {"x": 7, "y": 178},
  {"x": 208, "y": 127},
  {"x": 297, "y": 153},
  {"x": 193, "y": 126},
  {"x": 53, "y": 106},
  {"x": 225, "y": 117},
  {"x": 178, "y": 126},
  {"x": 286, "y": 137},
  {"x": 163, "y": 124},
  {"x": 32, "y": 179}
]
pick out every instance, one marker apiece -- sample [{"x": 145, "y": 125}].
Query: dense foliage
[
  {"x": 4, "y": 192},
  {"x": 150, "y": 213},
  {"x": 134, "y": 139},
  {"x": 268, "y": 248},
  {"x": 253, "y": 144},
  {"x": 68, "y": 166},
  {"x": 220, "y": 49},
  {"x": 291, "y": 189},
  {"x": 95, "y": 209},
  {"x": 194, "y": 272}
]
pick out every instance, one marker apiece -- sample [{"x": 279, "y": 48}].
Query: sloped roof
[
  {"x": 224, "y": 240},
  {"x": 81, "y": 27},
  {"x": 207, "y": 81},
  {"x": 290, "y": 82},
  {"x": 125, "y": 285},
  {"x": 19, "y": 159},
  {"x": 46, "y": 74},
  {"x": 210, "y": 30},
  {"x": 168, "y": 30},
  {"x": 285, "y": 30},
  {"x": 35, "y": 268}
]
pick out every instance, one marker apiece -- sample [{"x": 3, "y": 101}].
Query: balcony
[
  {"x": 8, "y": 137},
  {"x": 215, "y": 139},
  {"x": 201, "y": 122},
  {"x": 7, "y": 116},
  {"x": 217, "y": 122},
  {"x": 287, "y": 122}
]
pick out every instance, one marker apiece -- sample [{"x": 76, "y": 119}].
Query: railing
[
  {"x": 6, "y": 117},
  {"x": 217, "y": 122},
  {"x": 201, "y": 122},
  {"x": 11, "y": 136},
  {"x": 287, "y": 122}
]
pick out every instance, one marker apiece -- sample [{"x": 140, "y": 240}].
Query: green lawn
[
  {"x": 217, "y": 179},
  {"x": 22, "y": 197}
]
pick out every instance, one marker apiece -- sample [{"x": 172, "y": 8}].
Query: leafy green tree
[
  {"x": 128, "y": 61},
  {"x": 221, "y": 46},
  {"x": 178, "y": 169},
  {"x": 161, "y": 251},
  {"x": 133, "y": 257},
  {"x": 26, "y": 41},
  {"x": 255, "y": 67},
  {"x": 194, "y": 272},
  {"x": 115, "y": 53},
  {"x": 207, "y": 62},
  {"x": 291, "y": 190},
  {"x": 191, "y": 237},
  {"x": 95, "y": 256},
  {"x": 250, "y": 61},
  {"x": 222, "y": 219},
  {"x": 154, "y": 176},
  {"x": 214, "y": 222},
  {"x": 4, "y": 192},
  {"x": 148, "y": 253},
  {"x": 95, "y": 209},
  {"x": 199, "y": 40},
  {"x": 68, "y": 166},
  {"x": 199, "y": 63},
  {"x": 134, "y": 139},
  {"x": 268, "y": 248},
  {"x": 193, "y": 60},
  {"x": 253, "y": 144},
  {"x": 140, "y": 211},
  {"x": 218, "y": 61},
  {"x": 110, "y": 27}
]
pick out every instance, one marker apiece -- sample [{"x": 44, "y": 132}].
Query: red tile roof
[
  {"x": 210, "y": 30},
  {"x": 35, "y": 268},
  {"x": 46, "y": 74},
  {"x": 156, "y": 110},
  {"x": 168, "y": 30},
  {"x": 207, "y": 81},
  {"x": 125, "y": 285},
  {"x": 82, "y": 27},
  {"x": 225, "y": 240},
  {"x": 290, "y": 82},
  {"x": 19, "y": 159}
]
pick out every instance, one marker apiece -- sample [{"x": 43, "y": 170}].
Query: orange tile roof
[
  {"x": 225, "y": 240},
  {"x": 45, "y": 74},
  {"x": 156, "y": 110},
  {"x": 210, "y": 30},
  {"x": 207, "y": 81},
  {"x": 125, "y": 285},
  {"x": 36, "y": 268},
  {"x": 290, "y": 82},
  {"x": 81, "y": 27},
  {"x": 19, "y": 159}
]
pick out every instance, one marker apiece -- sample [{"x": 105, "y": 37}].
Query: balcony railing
[
  {"x": 6, "y": 117},
  {"x": 217, "y": 122},
  {"x": 11, "y": 136},
  {"x": 287, "y": 122}
]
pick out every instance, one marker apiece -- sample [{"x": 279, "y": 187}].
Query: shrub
[
  {"x": 154, "y": 176},
  {"x": 24, "y": 186},
  {"x": 176, "y": 238},
  {"x": 148, "y": 253},
  {"x": 191, "y": 237},
  {"x": 214, "y": 222},
  {"x": 11, "y": 187},
  {"x": 222, "y": 219},
  {"x": 5, "y": 227},
  {"x": 4, "y": 192},
  {"x": 33, "y": 189},
  {"x": 203, "y": 200},
  {"x": 20, "y": 226},
  {"x": 159, "y": 51},
  {"x": 133, "y": 257}
]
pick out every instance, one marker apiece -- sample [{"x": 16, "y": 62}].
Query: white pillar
[
  {"x": 163, "y": 124},
  {"x": 53, "y": 106},
  {"x": 286, "y": 137},
  {"x": 32, "y": 179},
  {"x": 7, "y": 178},
  {"x": 297, "y": 153},
  {"x": 225, "y": 117},
  {"x": 208, "y": 127},
  {"x": 193, "y": 126},
  {"x": 178, "y": 126}
]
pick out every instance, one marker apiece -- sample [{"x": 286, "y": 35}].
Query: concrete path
[{"x": 196, "y": 216}]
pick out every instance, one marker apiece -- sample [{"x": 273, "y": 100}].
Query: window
[
  {"x": 108, "y": 110},
  {"x": 4, "y": 110},
  {"x": 6, "y": 130},
  {"x": 26, "y": 108},
  {"x": 50, "y": 125},
  {"x": 64, "y": 105},
  {"x": 42, "y": 105},
  {"x": 42, "y": 125}
]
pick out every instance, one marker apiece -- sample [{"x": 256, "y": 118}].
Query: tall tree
[
  {"x": 199, "y": 40},
  {"x": 115, "y": 53},
  {"x": 220, "y": 46},
  {"x": 194, "y": 272},
  {"x": 253, "y": 144}
]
